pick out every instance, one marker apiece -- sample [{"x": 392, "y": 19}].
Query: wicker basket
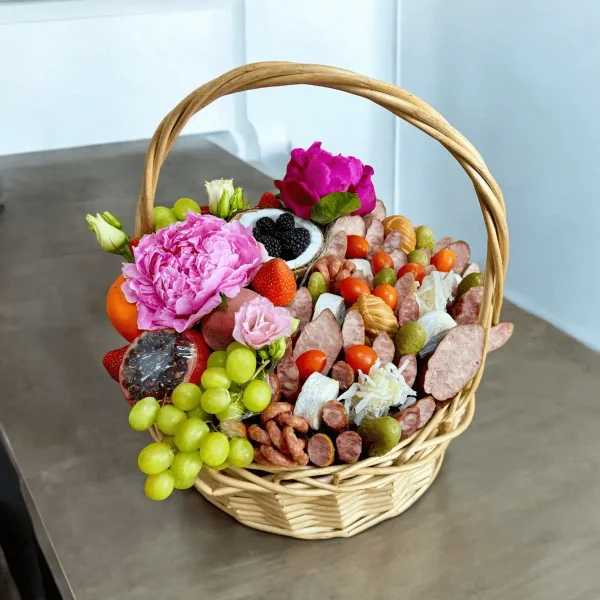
[{"x": 342, "y": 500}]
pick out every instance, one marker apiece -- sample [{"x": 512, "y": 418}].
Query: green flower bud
[
  {"x": 112, "y": 220},
  {"x": 110, "y": 238},
  {"x": 277, "y": 348}
]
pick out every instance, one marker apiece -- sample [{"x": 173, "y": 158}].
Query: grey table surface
[{"x": 513, "y": 514}]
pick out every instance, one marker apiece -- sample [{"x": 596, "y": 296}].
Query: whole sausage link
[
  {"x": 276, "y": 458},
  {"x": 298, "y": 423},
  {"x": 275, "y": 409},
  {"x": 296, "y": 447}
]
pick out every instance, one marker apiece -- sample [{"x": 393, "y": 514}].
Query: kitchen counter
[{"x": 513, "y": 514}]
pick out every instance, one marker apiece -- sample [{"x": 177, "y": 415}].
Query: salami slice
[
  {"x": 349, "y": 446},
  {"x": 393, "y": 241},
  {"x": 338, "y": 243},
  {"x": 368, "y": 279},
  {"x": 273, "y": 382},
  {"x": 409, "y": 372},
  {"x": 463, "y": 254},
  {"x": 375, "y": 235},
  {"x": 499, "y": 335},
  {"x": 350, "y": 225},
  {"x": 343, "y": 373},
  {"x": 379, "y": 212},
  {"x": 320, "y": 450},
  {"x": 429, "y": 269},
  {"x": 288, "y": 373},
  {"x": 426, "y": 408},
  {"x": 323, "y": 333},
  {"x": 384, "y": 347},
  {"x": 405, "y": 286},
  {"x": 399, "y": 258},
  {"x": 428, "y": 252},
  {"x": 335, "y": 415},
  {"x": 466, "y": 309},
  {"x": 408, "y": 310},
  {"x": 454, "y": 362},
  {"x": 353, "y": 329},
  {"x": 409, "y": 420},
  {"x": 471, "y": 268},
  {"x": 443, "y": 243},
  {"x": 301, "y": 307}
]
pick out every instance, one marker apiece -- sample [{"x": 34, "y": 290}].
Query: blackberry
[
  {"x": 264, "y": 226},
  {"x": 295, "y": 243},
  {"x": 271, "y": 244},
  {"x": 285, "y": 222}
]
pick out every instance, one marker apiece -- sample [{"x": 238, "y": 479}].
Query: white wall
[
  {"x": 521, "y": 79},
  {"x": 91, "y": 71}
]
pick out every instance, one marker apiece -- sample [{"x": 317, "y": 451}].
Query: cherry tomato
[
  {"x": 351, "y": 288},
  {"x": 443, "y": 260},
  {"x": 361, "y": 358},
  {"x": 310, "y": 362},
  {"x": 381, "y": 260},
  {"x": 388, "y": 294},
  {"x": 358, "y": 247},
  {"x": 417, "y": 269}
]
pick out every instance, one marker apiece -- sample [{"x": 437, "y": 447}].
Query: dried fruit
[
  {"x": 377, "y": 315},
  {"x": 276, "y": 282},
  {"x": 156, "y": 362},
  {"x": 404, "y": 226}
]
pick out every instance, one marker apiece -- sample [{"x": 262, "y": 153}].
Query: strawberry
[
  {"x": 268, "y": 200},
  {"x": 112, "y": 361},
  {"x": 205, "y": 210},
  {"x": 133, "y": 242},
  {"x": 276, "y": 282}
]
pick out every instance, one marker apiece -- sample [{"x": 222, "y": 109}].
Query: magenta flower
[
  {"x": 181, "y": 271},
  {"x": 259, "y": 322},
  {"x": 314, "y": 173}
]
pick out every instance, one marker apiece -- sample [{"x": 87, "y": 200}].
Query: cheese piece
[
  {"x": 362, "y": 265},
  {"x": 334, "y": 303},
  {"x": 436, "y": 322},
  {"x": 317, "y": 390}
]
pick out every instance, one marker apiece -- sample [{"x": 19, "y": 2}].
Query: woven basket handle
[{"x": 396, "y": 100}]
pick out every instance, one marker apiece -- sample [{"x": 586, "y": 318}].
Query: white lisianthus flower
[
  {"x": 110, "y": 238},
  {"x": 218, "y": 190}
]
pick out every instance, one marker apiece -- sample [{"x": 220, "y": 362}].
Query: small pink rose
[{"x": 258, "y": 323}]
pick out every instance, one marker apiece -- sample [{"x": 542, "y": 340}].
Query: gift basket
[{"x": 305, "y": 362}]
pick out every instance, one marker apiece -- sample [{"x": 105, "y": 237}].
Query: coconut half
[{"x": 317, "y": 240}]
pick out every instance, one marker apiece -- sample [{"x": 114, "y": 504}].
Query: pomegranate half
[{"x": 156, "y": 362}]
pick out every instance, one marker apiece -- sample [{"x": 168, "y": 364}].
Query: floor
[{"x": 513, "y": 514}]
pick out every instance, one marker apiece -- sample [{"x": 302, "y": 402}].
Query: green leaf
[{"x": 334, "y": 205}]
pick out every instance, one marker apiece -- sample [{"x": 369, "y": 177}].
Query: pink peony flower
[
  {"x": 314, "y": 173},
  {"x": 259, "y": 322},
  {"x": 181, "y": 271}
]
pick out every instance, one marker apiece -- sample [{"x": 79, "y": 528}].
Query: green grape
[
  {"x": 170, "y": 441},
  {"x": 234, "y": 411},
  {"x": 215, "y": 401},
  {"x": 184, "y": 484},
  {"x": 190, "y": 434},
  {"x": 183, "y": 206},
  {"x": 241, "y": 364},
  {"x": 257, "y": 395},
  {"x": 215, "y": 377},
  {"x": 143, "y": 414},
  {"x": 186, "y": 465},
  {"x": 199, "y": 413},
  {"x": 214, "y": 449},
  {"x": 163, "y": 217},
  {"x": 217, "y": 359},
  {"x": 155, "y": 458},
  {"x": 234, "y": 346},
  {"x": 170, "y": 418},
  {"x": 223, "y": 465},
  {"x": 159, "y": 486},
  {"x": 186, "y": 396},
  {"x": 241, "y": 452}
]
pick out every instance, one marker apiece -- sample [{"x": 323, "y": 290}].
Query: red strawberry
[
  {"x": 268, "y": 200},
  {"x": 133, "y": 242},
  {"x": 276, "y": 282},
  {"x": 112, "y": 361},
  {"x": 205, "y": 210}
]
